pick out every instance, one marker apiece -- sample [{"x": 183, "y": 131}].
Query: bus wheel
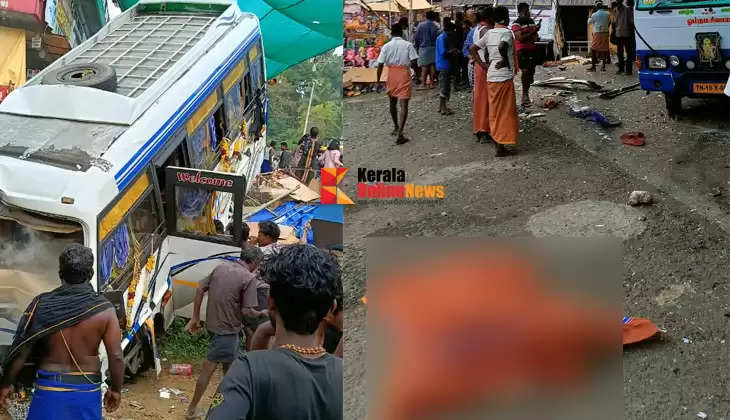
[
  {"x": 93, "y": 75},
  {"x": 674, "y": 104}
]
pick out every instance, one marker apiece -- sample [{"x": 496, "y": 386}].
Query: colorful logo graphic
[{"x": 329, "y": 193}]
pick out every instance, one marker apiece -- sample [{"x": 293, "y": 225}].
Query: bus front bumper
[{"x": 683, "y": 83}]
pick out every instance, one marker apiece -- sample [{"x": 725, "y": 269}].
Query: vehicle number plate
[{"x": 709, "y": 88}]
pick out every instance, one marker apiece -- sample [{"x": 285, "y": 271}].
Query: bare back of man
[{"x": 83, "y": 340}]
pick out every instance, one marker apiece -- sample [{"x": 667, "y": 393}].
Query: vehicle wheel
[
  {"x": 674, "y": 104},
  {"x": 93, "y": 75}
]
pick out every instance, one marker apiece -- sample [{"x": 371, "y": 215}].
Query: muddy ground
[{"x": 674, "y": 272}]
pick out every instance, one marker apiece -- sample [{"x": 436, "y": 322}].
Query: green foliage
[
  {"x": 290, "y": 98},
  {"x": 179, "y": 346}
]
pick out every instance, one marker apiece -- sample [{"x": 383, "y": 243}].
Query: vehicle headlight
[
  {"x": 690, "y": 65},
  {"x": 657, "y": 63},
  {"x": 727, "y": 64},
  {"x": 674, "y": 60}
]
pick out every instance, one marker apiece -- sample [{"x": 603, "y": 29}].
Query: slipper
[
  {"x": 401, "y": 140},
  {"x": 633, "y": 138},
  {"x": 448, "y": 112}
]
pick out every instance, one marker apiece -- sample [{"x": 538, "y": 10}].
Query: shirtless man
[{"x": 65, "y": 328}]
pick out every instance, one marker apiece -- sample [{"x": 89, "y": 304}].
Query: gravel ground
[{"x": 674, "y": 266}]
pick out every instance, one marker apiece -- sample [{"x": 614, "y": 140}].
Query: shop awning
[
  {"x": 385, "y": 7},
  {"x": 12, "y": 62},
  {"x": 415, "y": 4},
  {"x": 293, "y": 30}
]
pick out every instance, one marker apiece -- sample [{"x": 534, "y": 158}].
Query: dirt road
[{"x": 674, "y": 264}]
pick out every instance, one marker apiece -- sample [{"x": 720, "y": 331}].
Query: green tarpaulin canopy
[{"x": 293, "y": 30}]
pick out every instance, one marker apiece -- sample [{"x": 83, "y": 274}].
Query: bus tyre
[
  {"x": 674, "y": 104},
  {"x": 93, "y": 75}
]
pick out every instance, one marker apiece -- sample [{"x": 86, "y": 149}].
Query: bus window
[
  {"x": 127, "y": 233},
  {"x": 203, "y": 145},
  {"x": 233, "y": 111},
  {"x": 247, "y": 91},
  {"x": 177, "y": 158},
  {"x": 220, "y": 123},
  {"x": 207, "y": 205}
]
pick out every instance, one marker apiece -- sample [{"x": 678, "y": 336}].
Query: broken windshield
[{"x": 30, "y": 244}]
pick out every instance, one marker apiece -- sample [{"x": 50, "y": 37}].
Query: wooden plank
[{"x": 364, "y": 75}]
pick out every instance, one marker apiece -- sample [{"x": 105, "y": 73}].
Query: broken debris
[
  {"x": 565, "y": 83},
  {"x": 620, "y": 91},
  {"x": 640, "y": 197},
  {"x": 525, "y": 116}
]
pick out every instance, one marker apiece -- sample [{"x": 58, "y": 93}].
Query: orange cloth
[
  {"x": 480, "y": 121},
  {"x": 503, "y": 118},
  {"x": 399, "y": 82},
  {"x": 600, "y": 42}
]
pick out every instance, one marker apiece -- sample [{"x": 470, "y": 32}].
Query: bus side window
[
  {"x": 247, "y": 91},
  {"x": 233, "y": 110},
  {"x": 177, "y": 158},
  {"x": 220, "y": 123},
  {"x": 129, "y": 229}
]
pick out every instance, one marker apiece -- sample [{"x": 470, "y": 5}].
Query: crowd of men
[
  {"x": 485, "y": 51},
  {"x": 285, "y": 300}
]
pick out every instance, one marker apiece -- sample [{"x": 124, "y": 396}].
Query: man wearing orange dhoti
[
  {"x": 480, "y": 121},
  {"x": 499, "y": 45},
  {"x": 398, "y": 55}
]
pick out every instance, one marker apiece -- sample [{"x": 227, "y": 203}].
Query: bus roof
[{"x": 149, "y": 46}]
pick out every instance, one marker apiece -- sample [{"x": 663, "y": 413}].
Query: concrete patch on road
[
  {"x": 671, "y": 294},
  {"x": 450, "y": 172},
  {"x": 587, "y": 219}
]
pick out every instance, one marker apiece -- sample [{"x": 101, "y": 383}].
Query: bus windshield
[
  {"x": 30, "y": 244},
  {"x": 679, "y": 4}
]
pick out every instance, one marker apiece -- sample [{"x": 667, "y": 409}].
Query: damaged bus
[{"x": 140, "y": 144}]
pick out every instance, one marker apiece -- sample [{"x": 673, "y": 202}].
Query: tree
[{"x": 290, "y": 98}]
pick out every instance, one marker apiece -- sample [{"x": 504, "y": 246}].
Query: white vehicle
[
  {"x": 683, "y": 48},
  {"x": 140, "y": 143},
  {"x": 540, "y": 10}
]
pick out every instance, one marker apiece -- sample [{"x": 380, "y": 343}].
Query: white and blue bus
[
  {"x": 139, "y": 143},
  {"x": 683, "y": 48}
]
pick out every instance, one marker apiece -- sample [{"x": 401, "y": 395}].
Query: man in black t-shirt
[{"x": 297, "y": 379}]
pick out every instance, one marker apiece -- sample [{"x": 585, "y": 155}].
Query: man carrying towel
[
  {"x": 398, "y": 54},
  {"x": 64, "y": 327}
]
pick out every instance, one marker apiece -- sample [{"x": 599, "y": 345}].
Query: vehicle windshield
[
  {"x": 679, "y": 4},
  {"x": 30, "y": 244}
]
